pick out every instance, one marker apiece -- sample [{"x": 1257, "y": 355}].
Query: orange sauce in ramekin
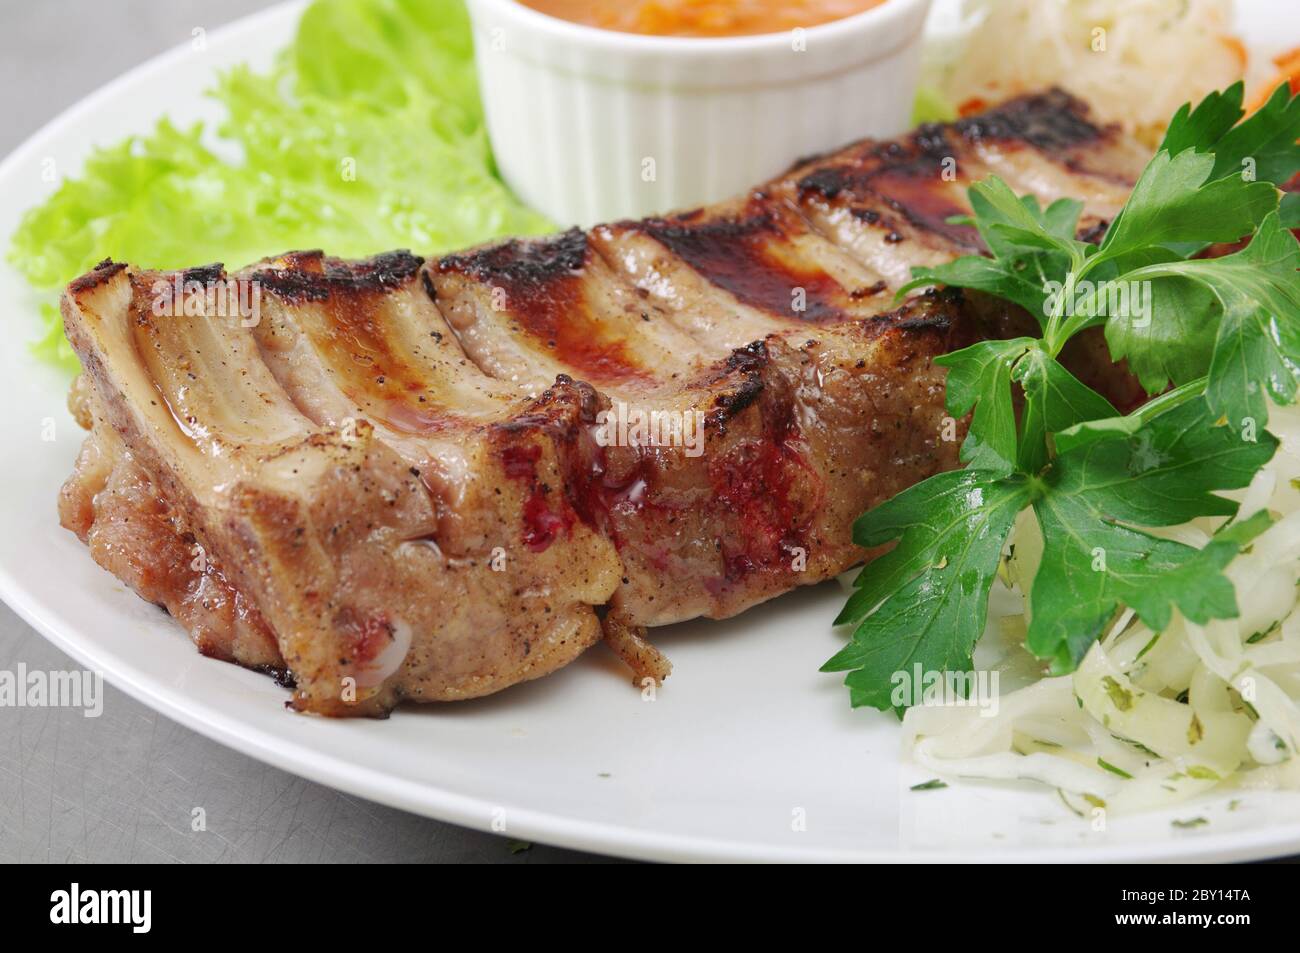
[{"x": 701, "y": 17}]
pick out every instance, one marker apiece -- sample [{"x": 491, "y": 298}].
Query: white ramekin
[{"x": 590, "y": 125}]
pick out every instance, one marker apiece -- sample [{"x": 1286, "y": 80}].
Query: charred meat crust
[
  {"x": 312, "y": 276},
  {"x": 526, "y": 268},
  {"x": 356, "y": 338},
  {"x": 895, "y": 181},
  {"x": 542, "y": 282},
  {"x": 733, "y": 253},
  {"x": 204, "y": 274},
  {"x": 1053, "y": 121},
  {"x": 101, "y": 273},
  {"x": 892, "y": 184},
  {"x": 748, "y": 362}
]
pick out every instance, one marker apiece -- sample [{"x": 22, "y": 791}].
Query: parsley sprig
[{"x": 1215, "y": 337}]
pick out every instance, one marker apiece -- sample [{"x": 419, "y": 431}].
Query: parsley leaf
[
  {"x": 1290, "y": 210},
  {"x": 1096, "y": 501},
  {"x": 1031, "y": 248},
  {"x": 1006, "y": 221},
  {"x": 979, "y": 377},
  {"x": 1177, "y": 200},
  {"x": 1101, "y": 486},
  {"x": 1202, "y": 128},
  {"x": 924, "y": 602},
  {"x": 1268, "y": 138},
  {"x": 1106, "y": 428},
  {"x": 1054, "y": 400},
  {"x": 1257, "y": 353},
  {"x": 1019, "y": 279},
  {"x": 1172, "y": 338}
]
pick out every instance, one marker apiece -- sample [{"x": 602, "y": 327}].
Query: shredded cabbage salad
[
  {"x": 1149, "y": 720},
  {"x": 1134, "y": 61},
  {"x": 367, "y": 135}
]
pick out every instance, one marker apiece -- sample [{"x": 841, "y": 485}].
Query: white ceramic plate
[{"x": 747, "y": 754}]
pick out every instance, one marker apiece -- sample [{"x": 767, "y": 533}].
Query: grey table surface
[{"x": 121, "y": 787}]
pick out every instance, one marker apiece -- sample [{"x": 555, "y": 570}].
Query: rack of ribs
[{"x": 403, "y": 480}]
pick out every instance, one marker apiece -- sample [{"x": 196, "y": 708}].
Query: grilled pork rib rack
[{"x": 391, "y": 486}]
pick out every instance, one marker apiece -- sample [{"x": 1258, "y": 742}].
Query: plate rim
[{"x": 429, "y": 800}]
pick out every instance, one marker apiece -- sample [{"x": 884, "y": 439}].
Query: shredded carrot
[
  {"x": 1235, "y": 44},
  {"x": 1288, "y": 72}
]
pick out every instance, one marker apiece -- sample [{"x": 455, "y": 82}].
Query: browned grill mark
[
  {"x": 370, "y": 364},
  {"x": 310, "y": 276},
  {"x": 205, "y": 274},
  {"x": 910, "y": 190},
  {"x": 738, "y": 255},
  {"x": 880, "y": 181},
  {"x": 101, "y": 273},
  {"x": 749, "y": 362},
  {"x": 889, "y": 183},
  {"x": 543, "y": 283},
  {"x": 1053, "y": 121}
]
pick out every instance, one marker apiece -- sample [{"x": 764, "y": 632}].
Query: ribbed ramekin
[{"x": 590, "y": 125}]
